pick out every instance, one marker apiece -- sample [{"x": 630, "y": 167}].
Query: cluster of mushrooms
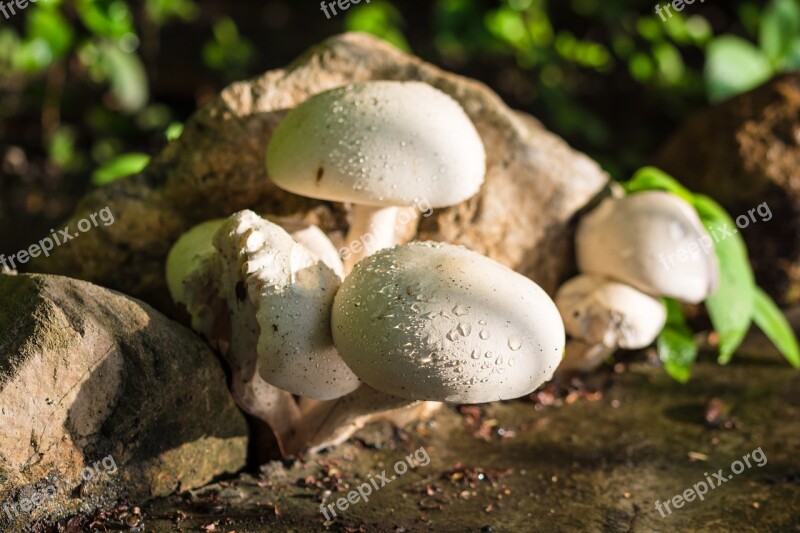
[
  {"x": 318, "y": 347},
  {"x": 625, "y": 250}
]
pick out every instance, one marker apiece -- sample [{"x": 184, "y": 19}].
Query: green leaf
[
  {"x": 121, "y": 166},
  {"x": 106, "y": 18},
  {"x": 780, "y": 25},
  {"x": 127, "y": 75},
  {"x": 731, "y": 306},
  {"x": 675, "y": 345},
  {"x": 50, "y": 26},
  {"x": 769, "y": 318},
  {"x": 652, "y": 178},
  {"x": 734, "y": 66}
]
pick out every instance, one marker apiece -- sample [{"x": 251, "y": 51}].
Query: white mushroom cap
[
  {"x": 318, "y": 244},
  {"x": 191, "y": 273},
  {"x": 380, "y": 143},
  {"x": 651, "y": 240},
  {"x": 599, "y": 311},
  {"x": 292, "y": 292},
  {"x": 428, "y": 321},
  {"x": 188, "y": 255}
]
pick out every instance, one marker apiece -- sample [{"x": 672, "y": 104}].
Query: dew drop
[
  {"x": 465, "y": 328},
  {"x": 484, "y": 334},
  {"x": 514, "y": 344},
  {"x": 460, "y": 310}
]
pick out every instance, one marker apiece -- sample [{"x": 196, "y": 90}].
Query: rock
[
  {"x": 743, "y": 152},
  {"x": 91, "y": 379},
  {"x": 535, "y": 182}
]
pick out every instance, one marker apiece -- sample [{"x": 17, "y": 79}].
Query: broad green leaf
[
  {"x": 121, "y": 166},
  {"x": 731, "y": 306},
  {"x": 734, "y": 66},
  {"x": 769, "y": 318},
  {"x": 127, "y": 76},
  {"x": 675, "y": 345},
  {"x": 780, "y": 25},
  {"x": 652, "y": 178}
]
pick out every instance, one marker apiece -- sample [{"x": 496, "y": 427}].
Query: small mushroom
[
  {"x": 603, "y": 315},
  {"x": 265, "y": 300},
  {"x": 191, "y": 274},
  {"x": 600, "y": 311},
  {"x": 651, "y": 240},
  {"x": 428, "y": 321},
  {"x": 291, "y": 292},
  {"x": 380, "y": 145}
]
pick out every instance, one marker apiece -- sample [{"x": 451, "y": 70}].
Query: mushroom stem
[
  {"x": 325, "y": 424},
  {"x": 375, "y": 228},
  {"x": 255, "y": 396},
  {"x": 580, "y": 356}
]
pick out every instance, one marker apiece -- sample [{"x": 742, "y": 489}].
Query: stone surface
[
  {"x": 534, "y": 186},
  {"x": 88, "y": 374},
  {"x": 742, "y": 152},
  {"x": 589, "y": 462}
]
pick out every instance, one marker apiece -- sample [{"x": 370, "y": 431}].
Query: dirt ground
[{"x": 596, "y": 457}]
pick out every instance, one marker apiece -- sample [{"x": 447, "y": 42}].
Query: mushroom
[
  {"x": 265, "y": 300},
  {"x": 428, "y": 321},
  {"x": 315, "y": 240},
  {"x": 192, "y": 268},
  {"x": 191, "y": 274},
  {"x": 603, "y": 315},
  {"x": 636, "y": 239},
  {"x": 380, "y": 145},
  {"x": 291, "y": 292}
]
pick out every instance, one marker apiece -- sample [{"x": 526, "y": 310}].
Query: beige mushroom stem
[
  {"x": 255, "y": 396},
  {"x": 375, "y": 228},
  {"x": 326, "y": 424},
  {"x": 583, "y": 357}
]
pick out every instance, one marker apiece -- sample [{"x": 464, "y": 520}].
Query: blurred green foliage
[
  {"x": 576, "y": 64},
  {"x": 564, "y": 50}
]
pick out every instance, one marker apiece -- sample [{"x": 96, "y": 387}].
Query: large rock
[
  {"x": 93, "y": 379},
  {"x": 535, "y": 182},
  {"x": 743, "y": 152}
]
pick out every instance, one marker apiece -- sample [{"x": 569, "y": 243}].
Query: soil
[{"x": 586, "y": 456}]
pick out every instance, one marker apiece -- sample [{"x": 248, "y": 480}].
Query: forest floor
[{"x": 596, "y": 458}]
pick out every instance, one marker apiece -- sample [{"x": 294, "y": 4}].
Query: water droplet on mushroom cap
[{"x": 514, "y": 316}]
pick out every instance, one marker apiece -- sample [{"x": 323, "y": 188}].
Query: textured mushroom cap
[
  {"x": 600, "y": 311},
  {"x": 379, "y": 143},
  {"x": 428, "y": 321},
  {"x": 651, "y": 240},
  {"x": 321, "y": 246},
  {"x": 188, "y": 255},
  {"x": 191, "y": 273},
  {"x": 293, "y": 292}
]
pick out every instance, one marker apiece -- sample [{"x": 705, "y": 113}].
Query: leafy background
[{"x": 89, "y": 89}]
